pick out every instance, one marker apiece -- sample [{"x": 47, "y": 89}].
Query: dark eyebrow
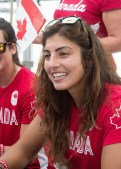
[
  {"x": 58, "y": 48},
  {"x": 62, "y": 48},
  {"x": 45, "y": 50}
]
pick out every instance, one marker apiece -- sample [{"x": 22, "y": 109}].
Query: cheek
[{"x": 78, "y": 69}]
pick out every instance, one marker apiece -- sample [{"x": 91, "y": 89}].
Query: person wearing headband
[
  {"x": 78, "y": 103},
  {"x": 16, "y": 94}
]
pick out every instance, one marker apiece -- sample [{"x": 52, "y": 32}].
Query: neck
[
  {"x": 8, "y": 75},
  {"x": 76, "y": 94}
]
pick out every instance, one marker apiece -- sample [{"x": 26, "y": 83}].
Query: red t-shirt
[
  {"x": 16, "y": 102},
  {"x": 88, "y": 155},
  {"x": 91, "y": 12}
]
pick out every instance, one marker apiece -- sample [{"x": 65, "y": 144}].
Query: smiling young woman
[{"x": 78, "y": 97}]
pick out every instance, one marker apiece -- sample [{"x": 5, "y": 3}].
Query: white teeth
[{"x": 59, "y": 75}]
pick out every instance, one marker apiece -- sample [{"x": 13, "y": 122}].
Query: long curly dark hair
[{"x": 56, "y": 105}]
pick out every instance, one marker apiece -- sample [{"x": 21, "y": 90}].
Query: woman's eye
[
  {"x": 47, "y": 56},
  {"x": 64, "y": 53}
]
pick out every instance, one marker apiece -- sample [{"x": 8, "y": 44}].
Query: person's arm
[
  {"x": 38, "y": 39},
  {"x": 112, "y": 22},
  {"x": 111, "y": 157},
  {"x": 21, "y": 153}
]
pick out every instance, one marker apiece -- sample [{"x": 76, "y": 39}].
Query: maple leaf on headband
[{"x": 22, "y": 29}]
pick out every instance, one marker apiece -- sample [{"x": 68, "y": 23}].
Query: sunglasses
[
  {"x": 66, "y": 20},
  {"x": 3, "y": 47}
]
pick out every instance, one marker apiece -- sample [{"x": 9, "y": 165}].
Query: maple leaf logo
[
  {"x": 15, "y": 95},
  {"x": 22, "y": 29},
  {"x": 14, "y": 98},
  {"x": 33, "y": 104},
  {"x": 115, "y": 118}
]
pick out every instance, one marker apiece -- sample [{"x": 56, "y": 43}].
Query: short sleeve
[
  {"x": 111, "y": 122},
  {"x": 27, "y": 106},
  {"x": 110, "y": 4}
]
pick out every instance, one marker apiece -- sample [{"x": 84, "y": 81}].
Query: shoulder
[
  {"x": 113, "y": 90},
  {"x": 24, "y": 79},
  {"x": 109, "y": 115},
  {"x": 26, "y": 73},
  {"x": 111, "y": 100},
  {"x": 111, "y": 103}
]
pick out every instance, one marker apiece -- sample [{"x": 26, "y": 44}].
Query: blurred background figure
[{"x": 103, "y": 17}]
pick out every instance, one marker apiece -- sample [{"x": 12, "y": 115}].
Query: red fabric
[
  {"x": 91, "y": 12},
  {"x": 16, "y": 102},
  {"x": 88, "y": 155}
]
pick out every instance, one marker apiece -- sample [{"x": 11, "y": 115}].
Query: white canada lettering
[
  {"x": 1, "y": 115},
  {"x": 79, "y": 145},
  {"x": 72, "y": 7},
  {"x": 8, "y": 117},
  {"x": 88, "y": 146}
]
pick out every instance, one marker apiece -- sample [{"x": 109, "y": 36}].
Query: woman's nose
[{"x": 54, "y": 61}]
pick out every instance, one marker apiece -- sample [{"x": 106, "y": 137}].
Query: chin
[{"x": 60, "y": 88}]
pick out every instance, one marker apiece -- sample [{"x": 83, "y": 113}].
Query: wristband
[
  {"x": 3, "y": 165},
  {"x": 1, "y": 149}
]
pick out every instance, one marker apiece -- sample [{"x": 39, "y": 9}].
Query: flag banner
[{"x": 29, "y": 21}]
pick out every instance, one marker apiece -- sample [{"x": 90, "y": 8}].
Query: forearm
[
  {"x": 111, "y": 44},
  {"x": 3, "y": 149},
  {"x": 23, "y": 152},
  {"x": 111, "y": 156},
  {"x": 10, "y": 157},
  {"x": 19, "y": 156},
  {"x": 38, "y": 39}
]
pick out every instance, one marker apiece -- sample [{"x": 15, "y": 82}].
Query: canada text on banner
[{"x": 28, "y": 22}]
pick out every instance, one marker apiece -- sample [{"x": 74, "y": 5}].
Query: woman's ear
[{"x": 13, "y": 48}]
